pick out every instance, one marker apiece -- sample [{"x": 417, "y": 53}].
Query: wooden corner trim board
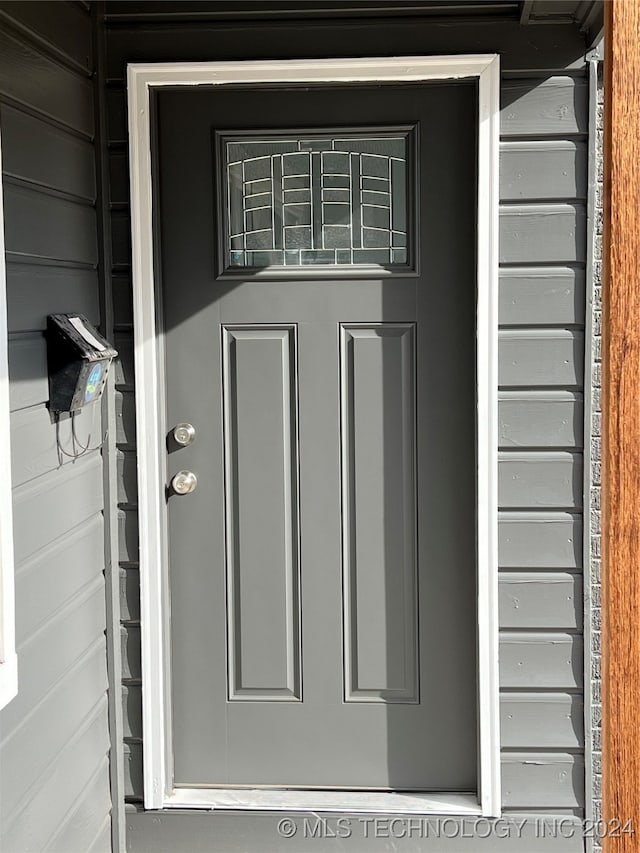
[
  {"x": 141, "y": 79},
  {"x": 621, "y": 425}
]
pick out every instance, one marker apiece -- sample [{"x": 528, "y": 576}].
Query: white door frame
[{"x": 159, "y": 791}]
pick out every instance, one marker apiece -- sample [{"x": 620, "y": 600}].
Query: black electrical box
[{"x": 78, "y": 359}]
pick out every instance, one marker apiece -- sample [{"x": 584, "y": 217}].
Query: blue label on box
[{"x": 93, "y": 383}]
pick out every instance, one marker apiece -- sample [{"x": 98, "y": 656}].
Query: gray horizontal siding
[
  {"x": 528, "y": 418},
  {"x": 34, "y": 290},
  {"x": 538, "y": 170},
  {"x": 551, "y": 233},
  {"x": 54, "y": 742},
  {"x": 539, "y": 108},
  {"x": 87, "y": 683},
  {"x": 120, "y": 238},
  {"x": 539, "y": 540},
  {"x": 540, "y": 600},
  {"x": 28, "y": 383},
  {"x": 85, "y": 826},
  {"x": 217, "y": 832},
  {"x": 552, "y": 780},
  {"x": 44, "y": 226},
  {"x": 67, "y": 97},
  {"x": 64, "y": 34},
  {"x": 127, "y": 478},
  {"x": 540, "y": 480},
  {"x": 128, "y": 536},
  {"x": 541, "y": 311},
  {"x": 49, "y": 579},
  {"x": 119, "y": 177},
  {"x": 47, "y": 155},
  {"x": 133, "y": 775},
  {"x": 540, "y": 659},
  {"x": 66, "y": 497},
  {"x": 124, "y": 368},
  {"x": 132, "y": 711},
  {"x": 539, "y": 296},
  {"x": 126, "y": 420},
  {"x": 129, "y": 594},
  {"x": 541, "y": 358},
  {"x": 102, "y": 840},
  {"x": 62, "y": 786},
  {"x": 131, "y": 668},
  {"x": 541, "y": 721},
  {"x": 34, "y": 449},
  {"x": 68, "y": 637},
  {"x": 122, "y": 300}
]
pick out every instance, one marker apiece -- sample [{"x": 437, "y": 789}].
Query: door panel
[
  {"x": 261, "y": 475},
  {"x": 378, "y": 440},
  {"x": 322, "y": 575}
]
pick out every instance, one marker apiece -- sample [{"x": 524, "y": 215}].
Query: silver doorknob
[
  {"x": 184, "y": 434},
  {"x": 184, "y": 482}
]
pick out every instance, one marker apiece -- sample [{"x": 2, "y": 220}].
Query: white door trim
[{"x": 141, "y": 79}]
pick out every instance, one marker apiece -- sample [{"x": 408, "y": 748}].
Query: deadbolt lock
[
  {"x": 184, "y": 482},
  {"x": 184, "y": 434}
]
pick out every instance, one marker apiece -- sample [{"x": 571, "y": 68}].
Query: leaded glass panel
[{"x": 316, "y": 200}]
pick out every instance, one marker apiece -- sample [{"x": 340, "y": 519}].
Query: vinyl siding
[
  {"x": 543, "y": 184},
  {"x": 54, "y": 736},
  {"x": 543, "y": 181}
]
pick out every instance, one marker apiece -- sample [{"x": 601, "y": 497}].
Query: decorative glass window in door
[{"x": 322, "y": 199}]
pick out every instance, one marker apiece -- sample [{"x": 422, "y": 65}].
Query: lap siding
[{"x": 54, "y": 736}]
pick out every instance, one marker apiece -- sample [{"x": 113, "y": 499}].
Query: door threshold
[{"x": 353, "y": 802}]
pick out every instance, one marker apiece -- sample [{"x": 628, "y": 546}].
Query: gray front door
[{"x": 317, "y": 265}]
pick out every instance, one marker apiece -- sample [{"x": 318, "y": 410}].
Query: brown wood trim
[{"x": 621, "y": 424}]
